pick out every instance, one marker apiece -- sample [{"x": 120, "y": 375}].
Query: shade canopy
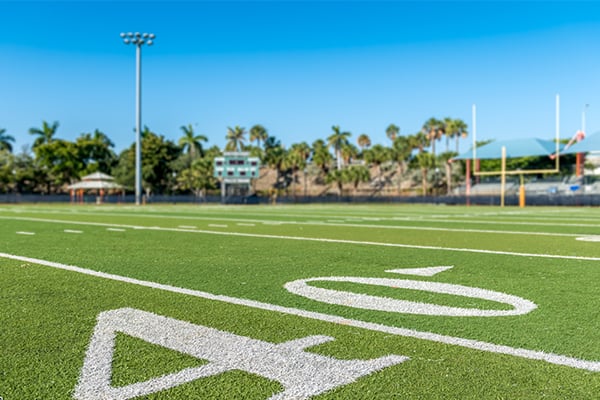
[
  {"x": 590, "y": 143},
  {"x": 97, "y": 176},
  {"x": 97, "y": 180},
  {"x": 515, "y": 148}
]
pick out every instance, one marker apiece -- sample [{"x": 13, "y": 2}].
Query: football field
[{"x": 299, "y": 302}]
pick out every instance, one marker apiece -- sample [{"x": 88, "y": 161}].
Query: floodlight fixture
[{"x": 138, "y": 39}]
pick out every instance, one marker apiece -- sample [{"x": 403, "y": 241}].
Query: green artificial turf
[{"x": 48, "y": 315}]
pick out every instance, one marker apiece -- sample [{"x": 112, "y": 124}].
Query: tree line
[{"x": 186, "y": 166}]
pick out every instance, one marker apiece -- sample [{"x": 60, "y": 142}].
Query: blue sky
[{"x": 299, "y": 67}]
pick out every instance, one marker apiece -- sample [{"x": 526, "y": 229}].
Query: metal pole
[
  {"x": 474, "y": 117},
  {"x": 557, "y": 138},
  {"x": 138, "y": 123},
  {"x": 138, "y": 39},
  {"x": 468, "y": 190},
  {"x": 503, "y": 177}
]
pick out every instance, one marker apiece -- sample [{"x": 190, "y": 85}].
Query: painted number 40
[{"x": 302, "y": 374}]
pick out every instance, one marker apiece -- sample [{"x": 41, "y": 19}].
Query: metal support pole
[
  {"x": 138, "y": 39},
  {"x": 468, "y": 182},
  {"x": 503, "y": 177},
  {"x": 521, "y": 192},
  {"x": 138, "y": 123}
]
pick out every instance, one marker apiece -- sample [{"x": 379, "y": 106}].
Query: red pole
[{"x": 579, "y": 165}]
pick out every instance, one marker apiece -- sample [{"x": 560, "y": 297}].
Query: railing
[{"x": 491, "y": 200}]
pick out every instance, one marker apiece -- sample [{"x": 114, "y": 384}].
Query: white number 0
[{"x": 301, "y": 287}]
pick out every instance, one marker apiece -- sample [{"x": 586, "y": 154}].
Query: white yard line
[
  {"x": 309, "y": 239},
  {"x": 593, "y": 366},
  {"x": 217, "y": 225},
  {"x": 370, "y": 226},
  {"x": 115, "y": 230},
  {"x": 72, "y": 231},
  {"x": 589, "y": 239},
  {"x": 187, "y": 226},
  {"x": 25, "y": 233}
]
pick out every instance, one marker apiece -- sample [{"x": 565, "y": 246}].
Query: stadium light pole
[{"x": 138, "y": 39}]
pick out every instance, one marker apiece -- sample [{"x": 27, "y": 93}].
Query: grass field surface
[{"x": 293, "y": 302}]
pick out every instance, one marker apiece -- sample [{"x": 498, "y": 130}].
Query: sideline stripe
[
  {"x": 595, "y": 238},
  {"x": 309, "y": 239},
  {"x": 355, "y": 225},
  {"x": 72, "y": 231},
  {"x": 593, "y": 366}
]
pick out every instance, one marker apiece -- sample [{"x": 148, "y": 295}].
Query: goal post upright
[{"x": 503, "y": 172}]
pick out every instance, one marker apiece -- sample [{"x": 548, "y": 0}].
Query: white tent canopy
[{"x": 97, "y": 180}]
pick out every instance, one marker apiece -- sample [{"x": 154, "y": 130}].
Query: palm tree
[
  {"x": 5, "y": 140},
  {"x": 337, "y": 140},
  {"x": 235, "y": 138},
  {"x": 258, "y": 133},
  {"x": 192, "y": 142},
  {"x": 348, "y": 152},
  {"x": 426, "y": 162},
  {"x": 433, "y": 128},
  {"x": 402, "y": 149},
  {"x": 274, "y": 156},
  {"x": 377, "y": 155},
  {"x": 338, "y": 177},
  {"x": 460, "y": 131},
  {"x": 295, "y": 159},
  {"x": 321, "y": 155},
  {"x": 357, "y": 174},
  {"x": 448, "y": 124},
  {"x": 419, "y": 141},
  {"x": 363, "y": 141},
  {"x": 446, "y": 159},
  {"x": 392, "y": 131},
  {"x": 45, "y": 135}
]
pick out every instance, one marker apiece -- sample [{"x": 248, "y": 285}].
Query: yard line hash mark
[{"x": 309, "y": 239}]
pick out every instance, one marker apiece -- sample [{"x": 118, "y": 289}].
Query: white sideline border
[{"x": 557, "y": 359}]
